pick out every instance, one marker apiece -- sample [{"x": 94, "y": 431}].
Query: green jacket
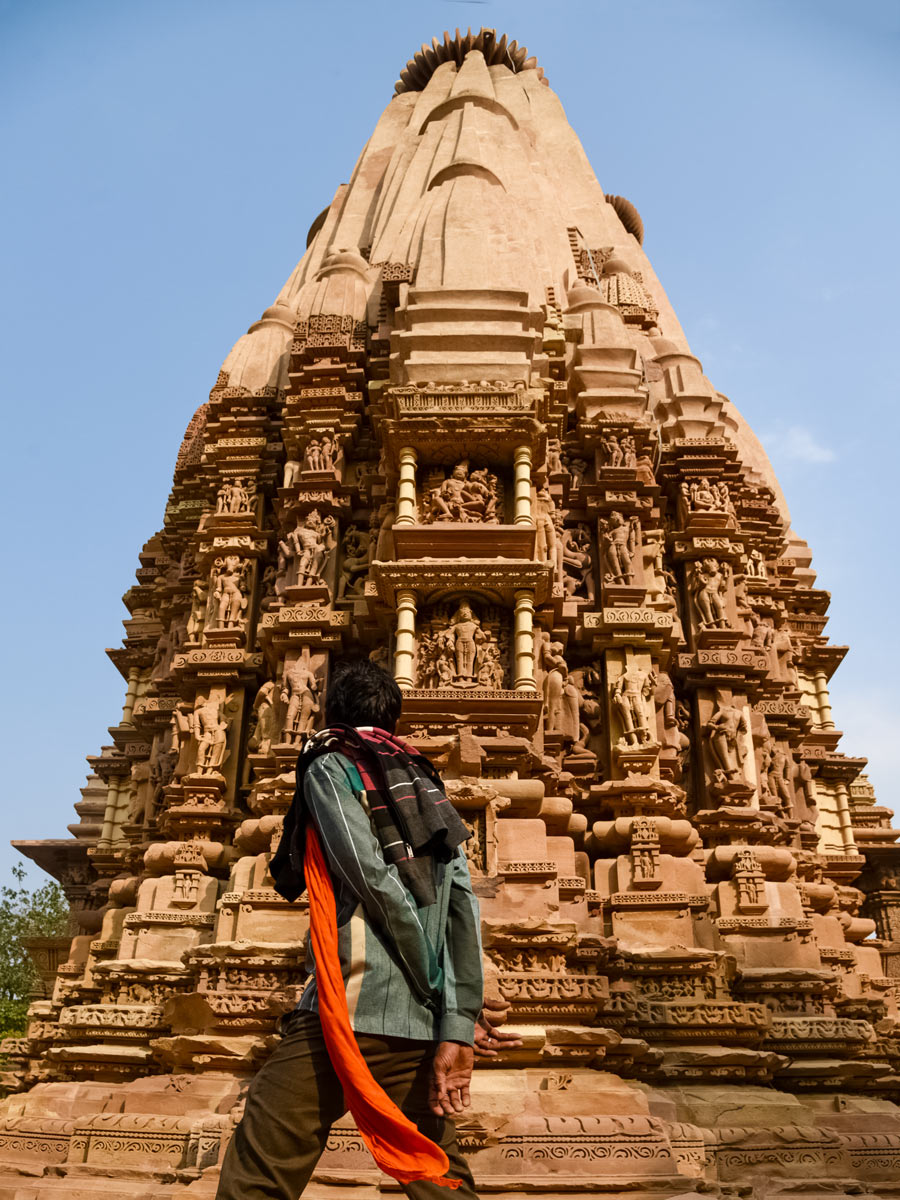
[{"x": 409, "y": 972}]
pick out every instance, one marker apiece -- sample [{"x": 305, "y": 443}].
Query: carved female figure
[{"x": 709, "y": 584}]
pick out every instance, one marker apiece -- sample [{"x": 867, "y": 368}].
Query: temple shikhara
[{"x": 469, "y": 440}]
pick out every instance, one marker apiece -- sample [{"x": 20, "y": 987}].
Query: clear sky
[{"x": 163, "y": 160}]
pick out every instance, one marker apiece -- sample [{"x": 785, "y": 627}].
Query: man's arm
[
  {"x": 451, "y": 1068},
  {"x": 463, "y": 970},
  {"x": 355, "y": 857}
]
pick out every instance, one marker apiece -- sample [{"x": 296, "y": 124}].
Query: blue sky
[{"x": 163, "y": 161}]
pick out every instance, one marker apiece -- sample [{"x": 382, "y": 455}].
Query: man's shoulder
[{"x": 335, "y": 767}]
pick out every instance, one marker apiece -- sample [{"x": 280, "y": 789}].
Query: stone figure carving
[
  {"x": 210, "y": 731},
  {"x": 577, "y": 568},
  {"x": 699, "y": 495},
  {"x": 436, "y": 659},
  {"x": 659, "y": 580},
  {"x": 561, "y": 699},
  {"x": 618, "y": 539},
  {"x": 589, "y": 685},
  {"x": 300, "y": 692},
  {"x": 644, "y": 469},
  {"x": 197, "y": 617},
  {"x": 468, "y": 496},
  {"x": 468, "y": 636},
  {"x": 292, "y": 470},
  {"x": 763, "y": 635},
  {"x": 775, "y": 774},
  {"x": 784, "y": 652},
  {"x": 725, "y": 731},
  {"x": 611, "y": 452},
  {"x": 490, "y": 668},
  {"x": 577, "y": 468},
  {"x": 554, "y": 459},
  {"x": 644, "y": 850},
  {"x": 667, "y": 706},
  {"x": 749, "y": 880},
  {"x": 629, "y": 693},
  {"x": 307, "y": 546},
  {"x": 628, "y": 446},
  {"x": 756, "y": 565},
  {"x": 355, "y": 547},
  {"x": 235, "y": 497},
  {"x": 547, "y": 544},
  {"x": 230, "y": 591},
  {"x": 266, "y": 726},
  {"x": 708, "y": 587}
]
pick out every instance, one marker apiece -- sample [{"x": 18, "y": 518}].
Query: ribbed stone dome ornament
[{"x": 496, "y": 51}]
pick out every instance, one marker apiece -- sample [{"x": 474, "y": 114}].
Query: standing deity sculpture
[
  {"x": 209, "y": 727},
  {"x": 300, "y": 692},
  {"x": 309, "y": 545},
  {"x": 554, "y": 459},
  {"x": 630, "y": 694},
  {"x": 618, "y": 542},
  {"x": 708, "y": 587},
  {"x": 628, "y": 446},
  {"x": 468, "y": 637},
  {"x": 726, "y": 731},
  {"x": 230, "y": 591}
]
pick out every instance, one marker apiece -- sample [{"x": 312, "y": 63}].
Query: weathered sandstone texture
[{"x": 470, "y": 440}]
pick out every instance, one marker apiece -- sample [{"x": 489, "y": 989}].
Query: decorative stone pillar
[
  {"x": 523, "y": 488},
  {"x": 134, "y": 676},
  {"x": 524, "y": 641},
  {"x": 406, "y": 488},
  {"x": 110, "y": 815},
  {"x": 405, "y": 644},
  {"x": 842, "y": 799},
  {"x": 826, "y": 716}
]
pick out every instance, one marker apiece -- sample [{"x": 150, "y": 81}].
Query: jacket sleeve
[
  {"x": 463, "y": 970},
  {"x": 355, "y": 858}
]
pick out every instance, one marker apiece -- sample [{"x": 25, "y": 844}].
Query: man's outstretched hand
[
  {"x": 451, "y": 1072},
  {"x": 489, "y": 1038}
]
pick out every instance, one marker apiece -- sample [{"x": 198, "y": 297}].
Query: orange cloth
[{"x": 397, "y": 1146}]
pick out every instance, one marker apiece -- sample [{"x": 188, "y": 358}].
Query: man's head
[{"x": 362, "y": 693}]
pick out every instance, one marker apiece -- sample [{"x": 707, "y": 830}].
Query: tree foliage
[{"x": 24, "y": 913}]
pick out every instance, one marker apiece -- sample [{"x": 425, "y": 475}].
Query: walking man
[{"x": 401, "y": 977}]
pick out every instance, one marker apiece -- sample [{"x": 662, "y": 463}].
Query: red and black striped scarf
[{"x": 414, "y": 821}]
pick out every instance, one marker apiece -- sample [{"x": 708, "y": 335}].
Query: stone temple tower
[{"x": 469, "y": 439}]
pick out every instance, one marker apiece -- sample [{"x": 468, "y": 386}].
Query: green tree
[{"x": 24, "y": 913}]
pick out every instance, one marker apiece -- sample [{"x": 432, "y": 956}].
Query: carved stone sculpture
[
  {"x": 230, "y": 592},
  {"x": 210, "y": 731},
  {"x": 300, "y": 692},
  {"x": 619, "y": 539},
  {"x": 708, "y": 583},
  {"x": 630, "y": 694},
  {"x": 726, "y": 732},
  {"x": 465, "y": 495}
]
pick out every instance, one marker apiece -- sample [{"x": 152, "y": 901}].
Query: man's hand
[
  {"x": 489, "y": 1039},
  {"x": 451, "y": 1070}
]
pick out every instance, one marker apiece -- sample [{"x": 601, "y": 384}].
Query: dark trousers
[{"x": 295, "y": 1099}]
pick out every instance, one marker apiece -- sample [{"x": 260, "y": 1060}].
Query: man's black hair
[{"x": 362, "y": 693}]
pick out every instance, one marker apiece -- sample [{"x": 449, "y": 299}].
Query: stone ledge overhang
[
  {"x": 518, "y": 711},
  {"x": 433, "y": 579},
  {"x": 456, "y": 539}
]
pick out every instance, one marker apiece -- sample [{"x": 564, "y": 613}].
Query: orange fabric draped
[{"x": 397, "y": 1146}]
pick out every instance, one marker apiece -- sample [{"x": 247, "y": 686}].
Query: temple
[{"x": 469, "y": 440}]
